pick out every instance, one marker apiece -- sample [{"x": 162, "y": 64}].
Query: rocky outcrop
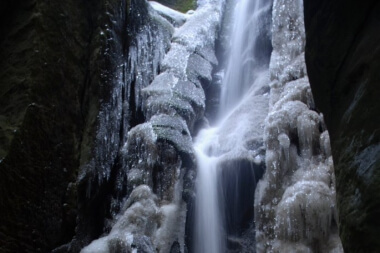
[
  {"x": 157, "y": 162},
  {"x": 343, "y": 61},
  {"x": 44, "y": 82},
  {"x": 70, "y": 90}
]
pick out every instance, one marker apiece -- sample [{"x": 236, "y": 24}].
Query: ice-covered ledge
[{"x": 158, "y": 153}]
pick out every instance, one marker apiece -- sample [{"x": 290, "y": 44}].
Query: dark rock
[
  {"x": 44, "y": 57},
  {"x": 343, "y": 59},
  {"x": 238, "y": 179},
  {"x": 175, "y": 248},
  {"x": 69, "y": 91},
  {"x": 143, "y": 244}
]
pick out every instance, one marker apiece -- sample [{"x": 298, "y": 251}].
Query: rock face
[
  {"x": 343, "y": 61},
  {"x": 70, "y": 87},
  {"x": 157, "y": 163},
  {"x": 45, "y": 79}
]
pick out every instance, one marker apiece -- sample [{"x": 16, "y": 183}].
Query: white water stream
[{"x": 242, "y": 110}]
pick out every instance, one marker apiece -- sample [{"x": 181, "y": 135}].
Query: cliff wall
[{"x": 343, "y": 62}]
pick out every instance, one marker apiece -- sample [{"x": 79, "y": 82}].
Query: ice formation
[
  {"x": 158, "y": 155},
  {"x": 140, "y": 217},
  {"x": 150, "y": 40},
  {"x": 295, "y": 202}
]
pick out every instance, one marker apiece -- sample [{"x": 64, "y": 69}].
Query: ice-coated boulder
[{"x": 132, "y": 231}]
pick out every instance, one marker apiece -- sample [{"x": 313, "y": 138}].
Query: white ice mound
[
  {"x": 132, "y": 231},
  {"x": 305, "y": 212}
]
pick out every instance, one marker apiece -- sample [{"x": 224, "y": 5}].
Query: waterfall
[
  {"x": 249, "y": 53},
  {"x": 295, "y": 200},
  {"x": 208, "y": 217},
  {"x": 232, "y": 152}
]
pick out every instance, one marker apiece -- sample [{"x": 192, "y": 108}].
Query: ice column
[
  {"x": 295, "y": 207},
  {"x": 158, "y": 153}
]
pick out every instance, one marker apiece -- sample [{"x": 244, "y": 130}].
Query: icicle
[{"x": 299, "y": 165}]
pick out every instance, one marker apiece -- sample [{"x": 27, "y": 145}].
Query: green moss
[
  {"x": 186, "y": 5},
  {"x": 179, "y": 5}
]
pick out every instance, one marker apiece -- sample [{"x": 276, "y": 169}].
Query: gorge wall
[
  {"x": 63, "y": 121},
  {"x": 343, "y": 62}
]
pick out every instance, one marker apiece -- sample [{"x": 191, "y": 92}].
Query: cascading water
[
  {"x": 249, "y": 55},
  {"x": 208, "y": 217},
  {"x": 235, "y": 145}
]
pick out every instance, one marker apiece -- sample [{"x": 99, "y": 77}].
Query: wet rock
[{"x": 175, "y": 248}]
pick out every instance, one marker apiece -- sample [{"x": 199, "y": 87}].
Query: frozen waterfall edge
[
  {"x": 158, "y": 157},
  {"x": 295, "y": 206}
]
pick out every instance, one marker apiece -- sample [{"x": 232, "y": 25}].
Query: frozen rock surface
[
  {"x": 133, "y": 230},
  {"x": 295, "y": 208},
  {"x": 158, "y": 158},
  {"x": 150, "y": 39}
]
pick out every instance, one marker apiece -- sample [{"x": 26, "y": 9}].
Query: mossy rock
[{"x": 180, "y": 5}]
